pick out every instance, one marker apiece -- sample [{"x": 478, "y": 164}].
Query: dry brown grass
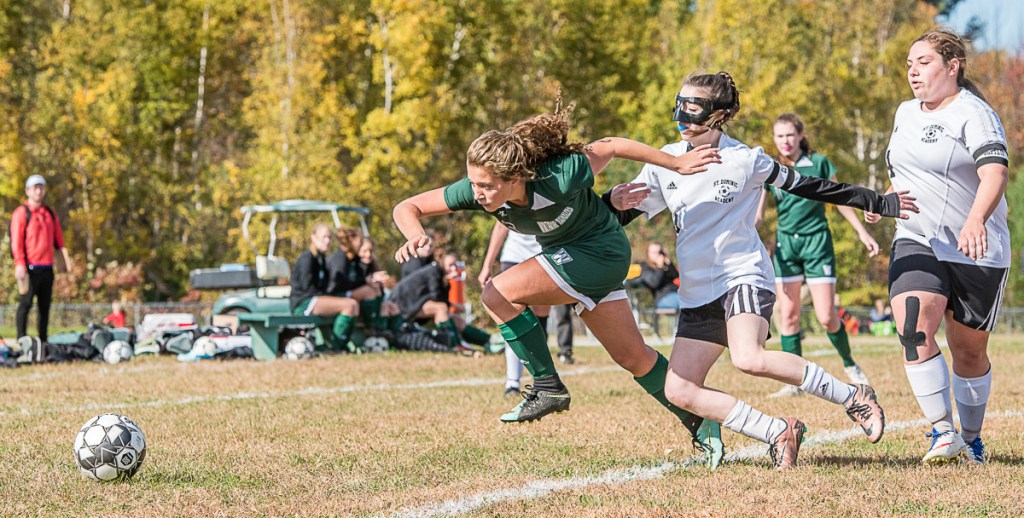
[{"x": 383, "y": 434}]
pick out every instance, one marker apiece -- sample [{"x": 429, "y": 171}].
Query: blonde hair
[
  {"x": 316, "y": 228},
  {"x": 517, "y": 151}
]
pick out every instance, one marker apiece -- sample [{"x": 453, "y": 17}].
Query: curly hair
[
  {"x": 517, "y": 151},
  {"x": 722, "y": 91}
]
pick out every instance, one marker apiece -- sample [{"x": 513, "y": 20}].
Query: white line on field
[
  {"x": 539, "y": 488},
  {"x": 309, "y": 391}
]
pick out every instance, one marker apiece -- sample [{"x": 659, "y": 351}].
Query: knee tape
[{"x": 911, "y": 338}]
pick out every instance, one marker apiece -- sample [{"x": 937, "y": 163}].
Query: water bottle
[{"x": 4, "y": 351}]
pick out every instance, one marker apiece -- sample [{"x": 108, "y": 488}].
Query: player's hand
[
  {"x": 627, "y": 196},
  {"x": 894, "y": 205},
  {"x": 871, "y": 217},
  {"x": 408, "y": 250},
  {"x": 973, "y": 241},
  {"x": 696, "y": 160},
  {"x": 869, "y": 242},
  {"x": 20, "y": 272},
  {"x": 485, "y": 275},
  {"x": 379, "y": 276}
]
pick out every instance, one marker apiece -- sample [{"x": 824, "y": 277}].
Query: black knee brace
[{"x": 911, "y": 337}]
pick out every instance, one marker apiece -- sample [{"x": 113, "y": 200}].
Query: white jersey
[
  {"x": 519, "y": 247},
  {"x": 717, "y": 243},
  {"x": 935, "y": 156}
]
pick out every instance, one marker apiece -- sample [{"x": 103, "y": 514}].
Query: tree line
[{"x": 155, "y": 120}]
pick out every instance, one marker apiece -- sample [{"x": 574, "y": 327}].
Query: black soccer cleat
[{"x": 538, "y": 403}]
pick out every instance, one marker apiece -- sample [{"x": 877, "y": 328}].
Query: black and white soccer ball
[
  {"x": 109, "y": 447},
  {"x": 298, "y": 348},
  {"x": 375, "y": 344},
  {"x": 117, "y": 351}
]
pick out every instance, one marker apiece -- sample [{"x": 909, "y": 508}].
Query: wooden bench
[{"x": 265, "y": 329}]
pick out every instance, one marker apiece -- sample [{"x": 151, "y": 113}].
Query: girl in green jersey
[{"x": 534, "y": 181}]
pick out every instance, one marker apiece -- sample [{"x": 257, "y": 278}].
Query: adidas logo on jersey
[{"x": 671, "y": 185}]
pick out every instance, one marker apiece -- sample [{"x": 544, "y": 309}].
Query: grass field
[{"x": 418, "y": 435}]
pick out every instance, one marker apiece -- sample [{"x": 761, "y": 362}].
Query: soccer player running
[
  {"x": 949, "y": 263},
  {"x": 803, "y": 249},
  {"x": 534, "y": 181},
  {"x": 725, "y": 288}
]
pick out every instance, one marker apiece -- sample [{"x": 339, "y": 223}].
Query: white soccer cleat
[
  {"x": 856, "y": 375},
  {"x": 947, "y": 447},
  {"x": 787, "y": 391}
]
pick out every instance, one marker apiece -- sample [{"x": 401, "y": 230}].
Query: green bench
[{"x": 265, "y": 329}]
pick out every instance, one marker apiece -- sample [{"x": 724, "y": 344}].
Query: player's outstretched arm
[
  {"x": 407, "y": 216},
  {"x": 891, "y": 205},
  {"x": 600, "y": 152},
  {"x": 624, "y": 199}
]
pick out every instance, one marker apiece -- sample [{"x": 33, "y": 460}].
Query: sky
[{"x": 1004, "y": 22}]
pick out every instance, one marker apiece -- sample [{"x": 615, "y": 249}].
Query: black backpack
[{"x": 24, "y": 233}]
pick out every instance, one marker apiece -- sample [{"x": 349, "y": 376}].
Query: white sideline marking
[
  {"x": 309, "y": 391},
  {"x": 539, "y": 488}
]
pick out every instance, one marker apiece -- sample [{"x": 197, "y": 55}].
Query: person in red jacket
[{"x": 35, "y": 235}]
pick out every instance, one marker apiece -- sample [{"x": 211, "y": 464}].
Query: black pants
[
  {"x": 40, "y": 286},
  {"x": 563, "y": 325}
]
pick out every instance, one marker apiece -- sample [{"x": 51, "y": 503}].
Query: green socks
[
  {"x": 526, "y": 338},
  {"x": 342, "y": 330},
  {"x": 791, "y": 344},
  {"x": 842, "y": 344},
  {"x": 654, "y": 383},
  {"x": 369, "y": 310},
  {"x": 475, "y": 335},
  {"x": 452, "y": 329}
]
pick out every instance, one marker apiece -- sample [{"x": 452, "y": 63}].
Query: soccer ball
[
  {"x": 298, "y": 348},
  {"x": 109, "y": 447},
  {"x": 375, "y": 344},
  {"x": 204, "y": 346},
  {"x": 116, "y": 352}
]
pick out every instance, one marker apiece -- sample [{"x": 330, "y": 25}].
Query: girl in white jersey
[
  {"x": 726, "y": 284},
  {"x": 949, "y": 263}
]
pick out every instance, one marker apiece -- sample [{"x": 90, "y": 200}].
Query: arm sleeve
[
  {"x": 18, "y": 222},
  {"x": 838, "y": 193},
  {"x": 985, "y": 137}
]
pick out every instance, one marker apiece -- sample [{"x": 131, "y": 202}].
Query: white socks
[
  {"x": 513, "y": 368},
  {"x": 930, "y": 383},
  {"x": 743, "y": 419},
  {"x": 971, "y": 396},
  {"x": 824, "y": 385}
]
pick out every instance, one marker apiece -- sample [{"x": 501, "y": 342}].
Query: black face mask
[{"x": 706, "y": 105}]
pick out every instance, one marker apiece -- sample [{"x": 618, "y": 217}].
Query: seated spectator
[
  {"x": 882, "y": 322},
  {"x": 353, "y": 273},
  {"x": 881, "y": 312},
  {"x": 116, "y": 318},
  {"x": 850, "y": 322},
  {"x": 660, "y": 276},
  {"x": 310, "y": 295},
  {"x": 423, "y": 295}
]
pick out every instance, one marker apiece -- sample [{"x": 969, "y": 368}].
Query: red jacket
[{"x": 39, "y": 240}]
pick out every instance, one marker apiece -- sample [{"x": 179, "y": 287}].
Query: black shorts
[
  {"x": 974, "y": 293},
  {"x": 707, "y": 322}
]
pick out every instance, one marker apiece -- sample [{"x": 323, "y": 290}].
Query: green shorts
[
  {"x": 591, "y": 271},
  {"x": 805, "y": 255}
]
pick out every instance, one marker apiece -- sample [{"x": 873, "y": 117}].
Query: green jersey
[
  {"x": 799, "y": 215},
  {"x": 563, "y": 207}
]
